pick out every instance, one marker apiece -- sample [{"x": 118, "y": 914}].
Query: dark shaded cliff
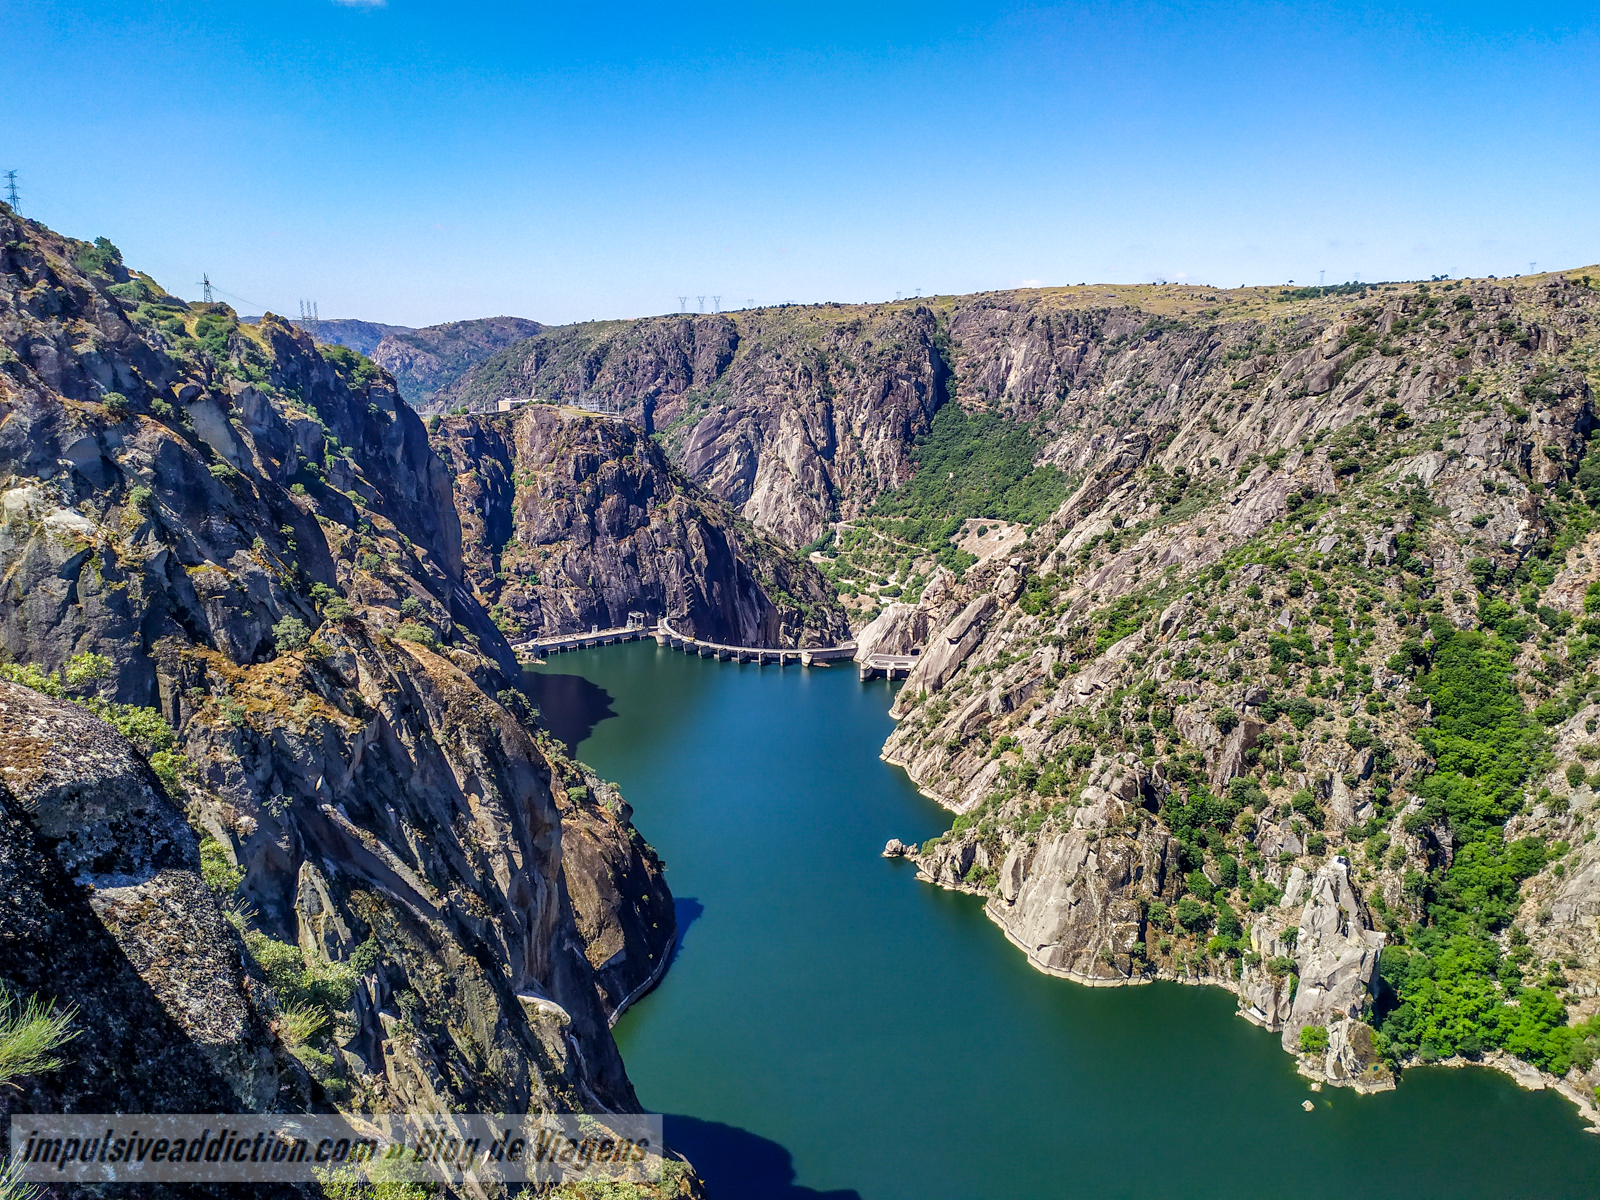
[{"x": 571, "y": 520}]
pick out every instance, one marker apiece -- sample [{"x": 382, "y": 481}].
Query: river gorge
[{"x": 832, "y": 1027}]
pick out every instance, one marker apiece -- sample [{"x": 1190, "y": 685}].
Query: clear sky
[{"x": 415, "y": 162}]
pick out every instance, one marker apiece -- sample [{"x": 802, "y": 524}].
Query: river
[{"x": 831, "y": 1027}]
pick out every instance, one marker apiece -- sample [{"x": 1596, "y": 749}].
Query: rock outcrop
[
  {"x": 103, "y": 910},
  {"x": 249, "y": 535},
  {"x": 795, "y": 416},
  {"x": 1076, "y": 902},
  {"x": 572, "y": 521}
]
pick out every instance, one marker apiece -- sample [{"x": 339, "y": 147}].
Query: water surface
[{"x": 833, "y": 1027}]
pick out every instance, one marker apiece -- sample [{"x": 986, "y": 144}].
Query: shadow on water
[
  {"x": 570, "y": 706},
  {"x": 738, "y": 1165},
  {"x": 686, "y": 910}
]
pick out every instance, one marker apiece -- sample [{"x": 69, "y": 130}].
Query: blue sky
[{"x": 417, "y": 162}]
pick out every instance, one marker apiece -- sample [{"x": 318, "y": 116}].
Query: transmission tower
[
  {"x": 1321, "y": 275},
  {"x": 1531, "y": 266},
  {"x": 716, "y": 303},
  {"x": 309, "y": 316},
  {"x": 702, "y": 301},
  {"x": 11, "y": 190},
  {"x": 683, "y": 304},
  {"x": 750, "y": 303},
  {"x": 205, "y": 284}
]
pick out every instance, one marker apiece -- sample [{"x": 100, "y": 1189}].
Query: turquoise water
[{"x": 832, "y": 1027}]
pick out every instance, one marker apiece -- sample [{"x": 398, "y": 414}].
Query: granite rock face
[
  {"x": 1279, "y": 511},
  {"x": 1076, "y": 903},
  {"x": 102, "y": 908},
  {"x": 899, "y": 629},
  {"x": 256, "y": 534},
  {"x": 1335, "y": 962},
  {"x": 572, "y": 521},
  {"x": 796, "y": 416}
]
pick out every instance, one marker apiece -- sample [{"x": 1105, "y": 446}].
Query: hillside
[
  {"x": 1293, "y": 693},
  {"x": 803, "y": 416},
  {"x": 233, "y": 557}
]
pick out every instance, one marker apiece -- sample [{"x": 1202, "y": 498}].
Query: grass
[{"x": 31, "y": 1032}]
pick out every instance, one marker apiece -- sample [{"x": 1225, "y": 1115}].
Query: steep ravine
[{"x": 795, "y": 416}]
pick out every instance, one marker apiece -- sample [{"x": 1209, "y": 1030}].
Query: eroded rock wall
[
  {"x": 255, "y": 534},
  {"x": 573, "y": 521}
]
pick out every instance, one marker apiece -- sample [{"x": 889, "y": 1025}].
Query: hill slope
[
  {"x": 238, "y": 547},
  {"x": 1294, "y": 693}
]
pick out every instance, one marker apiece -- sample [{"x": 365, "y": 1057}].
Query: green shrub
[
  {"x": 221, "y": 876},
  {"x": 31, "y": 1032},
  {"x": 1313, "y": 1040},
  {"x": 97, "y": 259},
  {"x": 1192, "y": 915},
  {"x": 116, "y": 404},
  {"x": 410, "y": 631},
  {"x": 291, "y": 633}
]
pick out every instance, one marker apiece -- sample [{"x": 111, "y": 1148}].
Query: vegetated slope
[
  {"x": 572, "y": 521},
  {"x": 1293, "y": 694},
  {"x": 795, "y": 416},
  {"x": 239, "y": 548},
  {"x": 424, "y": 360}
]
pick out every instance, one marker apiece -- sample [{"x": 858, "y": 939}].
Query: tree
[{"x": 291, "y": 634}]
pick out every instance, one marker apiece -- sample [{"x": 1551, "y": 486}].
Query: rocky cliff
[
  {"x": 170, "y": 1017},
  {"x": 239, "y": 547},
  {"x": 1293, "y": 693},
  {"x": 572, "y": 521},
  {"x": 795, "y": 416}
]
